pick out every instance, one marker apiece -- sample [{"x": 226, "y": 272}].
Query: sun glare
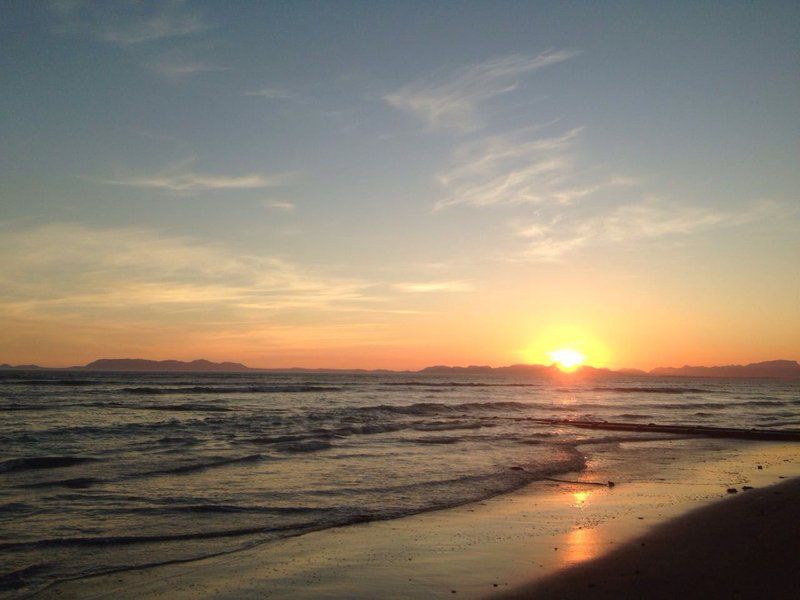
[{"x": 567, "y": 359}]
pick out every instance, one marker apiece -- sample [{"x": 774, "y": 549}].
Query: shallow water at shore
[{"x": 169, "y": 467}]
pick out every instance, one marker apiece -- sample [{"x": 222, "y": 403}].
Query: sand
[
  {"x": 746, "y": 547},
  {"x": 504, "y": 544}
]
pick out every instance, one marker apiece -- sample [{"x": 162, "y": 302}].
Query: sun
[{"x": 567, "y": 359}]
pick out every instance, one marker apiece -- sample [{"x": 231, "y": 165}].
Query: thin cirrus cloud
[
  {"x": 649, "y": 219},
  {"x": 423, "y": 287},
  {"x": 519, "y": 168},
  {"x": 451, "y": 102},
  {"x": 129, "y": 23},
  {"x": 273, "y": 93},
  {"x": 280, "y": 205},
  {"x": 191, "y": 181},
  {"x": 177, "y": 66},
  {"x": 124, "y": 272}
]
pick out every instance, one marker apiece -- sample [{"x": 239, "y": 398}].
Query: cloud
[
  {"x": 433, "y": 286},
  {"x": 182, "y": 180},
  {"x": 127, "y": 23},
  {"x": 519, "y": 169},
  {"x": 280, "y": 205},
  {"x": 273, "y": 93},
  {"x": 178, "y": 65},
  {"x": 451, "y": 102},
  {"x": 650, "y": 219},
  {"x": 64, "y": 269}
]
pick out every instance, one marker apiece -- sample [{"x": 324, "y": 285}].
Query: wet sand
[
  {"x": 745, "y": 547},
  {"x": 501, "y": 545}
]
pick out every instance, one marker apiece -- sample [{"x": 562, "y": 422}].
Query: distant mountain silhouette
[
  {"x": 783, "y": 369},
  {"x": 774, "y": 369},
  {"x": 140, "y": 364}
]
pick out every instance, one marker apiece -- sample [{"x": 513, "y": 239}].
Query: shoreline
[
  {"x": 504, "y": 543},
  {"x": 745, "y": 547}
]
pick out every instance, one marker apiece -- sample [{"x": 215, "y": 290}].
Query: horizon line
[{"x": 552, "y": 365}]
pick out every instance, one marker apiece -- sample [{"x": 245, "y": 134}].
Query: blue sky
[{"x": 388, "y": 183}]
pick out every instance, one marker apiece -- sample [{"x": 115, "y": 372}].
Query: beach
[
  {"x": 546, "y": 539},
  {"x": 745, "y": 547}
]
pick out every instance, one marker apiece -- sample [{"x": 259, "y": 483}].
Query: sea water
[{"x": 108, "y": 471}]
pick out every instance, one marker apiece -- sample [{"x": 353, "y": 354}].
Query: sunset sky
[{"x": 399, "y": 184}]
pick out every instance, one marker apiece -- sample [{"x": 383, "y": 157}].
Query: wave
[
  {"x": 433, "y": 408},
  {"x": 138, "y": 539},
  {"x": 441, "y": 439},
  {"x": 85, "y": 482},
  {"x": 42, "y": 462},
  {"x": 15, "y": 507},
  {"x": 246, "y": 389},
  {"x": 55, "y": 382},
  {"x": 632, "y": 416},
  {"x": 489, "y": 484},
  {"x": 762, "y": 403},
  {"x": 720, "y": 405},
  {"x": 76, "y": 483},
  {"x": 651, "y": 390},
  {"x": 455, "y": 384},
  {"x": 303, "y": 446},
  {"x": 189, "y": 407},
  {"x": 18, "y": 578},
  {"x": 427, "y": 409},
  {"x": 227, "y": 509},
  {"x": 451, "y": 426},
  {"x": 15, "y": 406},
  {"x": 202, "y": 466}
]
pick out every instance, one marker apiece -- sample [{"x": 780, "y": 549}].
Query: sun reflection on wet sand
[
  {"x": 580, "y": 498},
  {"x": 582, "y": 545}
]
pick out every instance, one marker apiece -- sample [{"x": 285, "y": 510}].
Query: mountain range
[{"x": 780, "y": 369}]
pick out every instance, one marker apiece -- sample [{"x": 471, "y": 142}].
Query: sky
[{"x": 399, "y": 184}]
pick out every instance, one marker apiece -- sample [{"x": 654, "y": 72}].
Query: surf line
[{"x": 700, "y": 430}]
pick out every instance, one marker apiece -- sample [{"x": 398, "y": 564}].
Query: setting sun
[{"x": 567, "y": 359}]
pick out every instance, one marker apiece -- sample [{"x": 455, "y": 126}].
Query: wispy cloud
[
  {"x": 649, "y": 219},
  {"x": 70, "y": 268},
  {"x": 179, "y": 65},
  {"x": 280, "y": 205},
  {"x": 422, "y": 287},
  {"x": 519, "y": 169},
  {"x": 182, "y": 179},
  {"x": 273, "y": 93},
  {"x": 129, "y": 23},
  {"x": 451, "y": 101}
]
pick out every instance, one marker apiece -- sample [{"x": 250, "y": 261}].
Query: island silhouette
[{"x": 771, "y": 369}]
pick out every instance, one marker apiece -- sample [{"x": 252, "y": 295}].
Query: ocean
[{"x": 102, "y": 472}]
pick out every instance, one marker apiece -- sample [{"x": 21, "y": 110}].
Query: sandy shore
[
  {"x": 746, "y": 547},
  {"x": 492, "y": 547}
]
